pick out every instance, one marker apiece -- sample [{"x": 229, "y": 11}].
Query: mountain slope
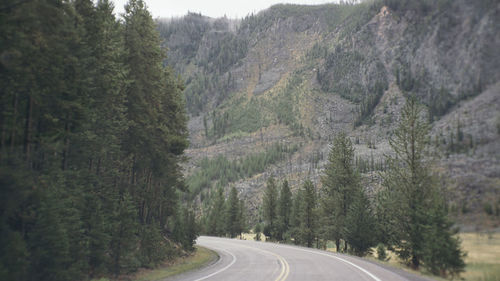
[{"x": 298, "y": 75}]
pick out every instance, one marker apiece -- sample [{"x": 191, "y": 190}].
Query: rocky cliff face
[{"x": 301, "y": 74}]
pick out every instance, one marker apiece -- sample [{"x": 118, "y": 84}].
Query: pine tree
[
  {"x": 233, "y": 213},
  {"x": 190, "y": 230},
  {"x": 242, "y": 218},
  {"x": 124, "y": 236},
  {"x": 153, "y": 247},
  {"x": 308, "y": 216},
  {"x": 98, "y": 236},
  {"x": 411, "y": 196},
  {"x": 296, "y": 214},
  {"x": 270, "y": 208},
  {"x": 49, "y": 242},
  {"x": 216, "y": 223},
  {"x": 442, "y": 253},
  {"x": 359, "y": 224},
  {"x": 284, "y": 210},
  {"x": 340, "y": 183}
]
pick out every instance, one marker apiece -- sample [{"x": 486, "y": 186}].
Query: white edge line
[
  {"x": 222, "y": 269},
  {"x": 341, "y": 259}
]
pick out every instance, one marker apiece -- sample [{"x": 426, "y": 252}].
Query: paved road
[{"x": 242, "y": 260}]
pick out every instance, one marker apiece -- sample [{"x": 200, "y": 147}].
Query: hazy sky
[{"x": 212, "y": 8}]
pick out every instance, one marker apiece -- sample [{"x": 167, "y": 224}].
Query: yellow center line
[{"x": 285, "y": 268}]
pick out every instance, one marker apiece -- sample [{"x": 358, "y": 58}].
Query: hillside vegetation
[{"x": 302, "y": 74}]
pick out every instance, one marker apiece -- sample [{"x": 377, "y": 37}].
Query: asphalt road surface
[{"x": 242, "y": 260}]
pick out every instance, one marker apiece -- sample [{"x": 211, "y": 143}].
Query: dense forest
[{"x": 93, "y": 129}]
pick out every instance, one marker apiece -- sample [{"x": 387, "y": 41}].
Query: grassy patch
[
  {"x": 201, "y": 257},
  {"x": 483, "y": 256},
  {"x": 482, "y": 261}
]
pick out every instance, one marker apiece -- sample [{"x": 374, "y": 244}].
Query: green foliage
[
  {"x": 342, "y": 75},
  {"x": 412, "y": 202},
  {"x": 224, "y": 217},
  {"x": 215, "y": 223},
  {"x": 333, "y": 14},
  {"x": 423, "y": 7},
  {"x": 341, "y": 184},
  {"x": 92, "y": 132},
  {"x": 185, "y": 229},
  {"x": 185, "y": 37},
  {"x": 223, "y": 171},
  {"x": 295, "y": 216},
  {"x": 381, "y": 252},
  {"x": 442, "y": 254},
  {"x": 153, "y": 247},
  {"x": 123, "y": 244},
  {"x": 284, "y": 210},
  {"x": 50, "y": 242},
  {"x": 366, "y": 107},
  {"x": 308, "y": 220},
  {"x": 359, "y": 225},
  {"x": 233, "y": 214},
  {"x": 270, "y": 209},
  {"x": 285, "y": 104},
  {"x": 364, "y": 165},
  {"x": 488, "y": 208},
  {"x": 304, "y": 220}
]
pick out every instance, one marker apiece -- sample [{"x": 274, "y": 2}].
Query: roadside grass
[
  {"x": 201, "y": 257},
  {"x": 198, "y": 259},
  {"x": 482, "y": 260},
  {"x": 483, "y": 256}
]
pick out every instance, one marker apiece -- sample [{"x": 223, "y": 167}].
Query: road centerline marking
[
  {"x": 338, "y": 258},
  {"x": 285, "y": 267}
]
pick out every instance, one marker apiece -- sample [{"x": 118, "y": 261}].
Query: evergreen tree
[
  {"x": 412, "y": 198},
  {"x": 295, "y": 221},
  {"x": 442, "y": 253},
  {"x": 284, "y": 210},
  {"x": 308, "y": 220},
  {"x": 49, "y": 242},
  {"x": 270, "y": 208},
  {"x": 190, "y": 229},
  {"x": 242, "y": 218},
  {"x": 185, "y": 228},
  {"x": 216, "y": 223},
  {"x": 340, "y": 183},
  {"x": 359, "y": 225},
  {"x": 124, "y": 236},
  {"x": 98, "y": 237},
  {"x": 233, "y": 214}
]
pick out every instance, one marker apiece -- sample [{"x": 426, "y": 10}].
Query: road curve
[{"x": 242, "y": 260}]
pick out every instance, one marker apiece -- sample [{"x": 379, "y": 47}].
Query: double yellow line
[{"x": 285, "y": 268}]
